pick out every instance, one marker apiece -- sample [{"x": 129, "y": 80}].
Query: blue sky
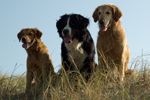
[{"x": 18, "y": 14}]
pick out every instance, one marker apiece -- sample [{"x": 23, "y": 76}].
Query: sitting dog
[
  {"x": 77, "y": 48},
  {"x": 39, "y": 63},
  {"x": 112, "y": 47}
]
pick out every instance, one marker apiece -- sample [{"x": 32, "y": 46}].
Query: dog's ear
[
  {"x": 19, "y": 35},
  {"x": 60, "y": 22},
  {"x": 59, "y": 25},
  {"x": 83, "y": 22},
  {"x": 95, "y": 15},
  {"x": 38, "y": 33},
  {"x": 117, "y": 14}
]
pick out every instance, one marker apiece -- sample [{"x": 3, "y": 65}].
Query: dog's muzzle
[
  {"x": 66, "y": 37},
  {"x": 26, "y": 44},
  {"x": 101, "y": 22},
  {"x": 102, "y": 26}
]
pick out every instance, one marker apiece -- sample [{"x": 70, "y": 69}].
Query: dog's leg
[
  {"x": 102, "y": 61},
  {"x": 120, "y": 66},
  {"x": 38, "y": 80},
  {"x": 47, "y": 72},
  {"x": 127, "y": 58},
  {"x": 122, "y": 70},
  {"x": 45, "y": 79},
  {"x": 29, "y": 78}
]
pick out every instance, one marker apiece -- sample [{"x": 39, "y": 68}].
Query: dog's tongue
[
  {"x": 25, "y": 45},
  {"x": 67, "y": 39},
  {"x": 102, "y": 28}
]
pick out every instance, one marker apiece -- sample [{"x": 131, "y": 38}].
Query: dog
[
  {"x": 111, "y": 43},
  {"x": 39, "y": 63},
  {"x": 77, "y": 48}
]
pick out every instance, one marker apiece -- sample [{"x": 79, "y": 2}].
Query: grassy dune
[{"x": 135, "y": 87}]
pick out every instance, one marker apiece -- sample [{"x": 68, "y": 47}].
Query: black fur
[{"x": 82, "y": 35}]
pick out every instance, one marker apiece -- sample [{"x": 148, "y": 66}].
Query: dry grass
[{"x": 75, "y": 88}]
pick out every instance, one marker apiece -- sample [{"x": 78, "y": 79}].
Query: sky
[{"x": 43, "y": 14}]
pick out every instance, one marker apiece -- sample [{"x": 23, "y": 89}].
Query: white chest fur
[{"x": 76, "y": 53}]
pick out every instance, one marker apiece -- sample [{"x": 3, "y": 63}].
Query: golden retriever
[
  {"x": 39, "y": 63},
  {"x": 112, "y": 44}
]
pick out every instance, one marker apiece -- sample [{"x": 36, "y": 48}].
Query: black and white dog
[{"x": 77, "y": 49}]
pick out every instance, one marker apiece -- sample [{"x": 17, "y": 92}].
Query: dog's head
[
  {"x": 104, "y": 14},
  {"x": 70, "y": 26},
  {"x": 28, "y": 36}
]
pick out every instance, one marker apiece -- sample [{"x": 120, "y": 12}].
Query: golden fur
[
  {"x": 39, "y": 63},
  {"x": 112, "y": 45}
]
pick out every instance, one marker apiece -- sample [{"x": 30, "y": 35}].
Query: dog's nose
[
  {"x": 65, "y": 31},
  {"x": 101, "y": 22},
  {"x": 24, "y": 39}
]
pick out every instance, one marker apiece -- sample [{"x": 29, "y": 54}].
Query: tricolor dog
[{"x": 77, "y": 48}]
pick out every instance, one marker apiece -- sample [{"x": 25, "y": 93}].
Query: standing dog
[
  {"x": 77, "y": 49},
  {"x": 39, "y": 63},
  {"x": 112, "y": 44}
]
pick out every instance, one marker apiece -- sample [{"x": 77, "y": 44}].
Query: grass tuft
[{"x": 66, "y": 87}]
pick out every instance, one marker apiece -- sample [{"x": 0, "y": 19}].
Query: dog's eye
[
  {"x": 107, "y": 12},
  {"x": 71, "y": 23},
  {"x": 30, "y": 33},
  {"x": 99, "y": 13},
  {"x": 64, "y": 22}
]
